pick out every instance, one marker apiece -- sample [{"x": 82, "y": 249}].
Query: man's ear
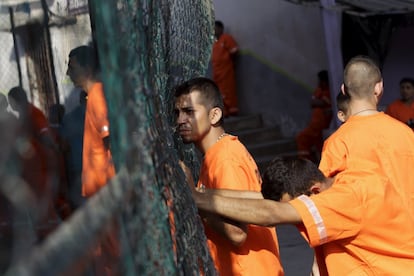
[
  {"x": 215, "y": 115},
  {"x": 315, "y": 188},
  {"x": 343, "y": 89},
  {"x": 341, "y": 116},
  {"x": 378, "y": 89}
]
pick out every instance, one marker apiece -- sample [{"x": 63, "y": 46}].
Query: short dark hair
[
  {"x": 360, "y": 76},
  {"x": 209, "y": 90},
  {"x": 291, "y": 175},
  {"x": 219, "y": 24},
  {"x": 342, "y": 102},
  {"x": 86, "y": 56},
  {"x": 407, "y": 80},
  {"x": 18, "y": 94},
  {"x": 323, "y": 76}
]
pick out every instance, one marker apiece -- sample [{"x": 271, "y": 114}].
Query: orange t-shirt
[
  {"x": 401, "y": 111},
  {"x": 38, "y": 165},
  {"x": 359, "y": 224},
  {"x": 379, "y": 138},
  {"x": 221, "y": 58},
  {"x": 228, "y": 165},
  {"x": 323, "y": 95},
  {"x": 321, "y": 116},
  {"x": 97, "y": 165}
]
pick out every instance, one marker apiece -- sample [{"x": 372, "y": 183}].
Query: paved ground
[{"x": 295, "y": 253}]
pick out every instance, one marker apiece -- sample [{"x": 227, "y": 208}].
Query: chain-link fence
[
  {"x": 9, "y": 67},
  {"x": 146, "y": 48}
]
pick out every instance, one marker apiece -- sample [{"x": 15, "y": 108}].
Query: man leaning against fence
[{"x": 237, "y": 249}]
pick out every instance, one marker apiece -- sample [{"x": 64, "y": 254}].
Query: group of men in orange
[
  {"x": 310, "y": 140},
  {"x": 361, "y": 223},
  {"x": 39, "y": 156}
]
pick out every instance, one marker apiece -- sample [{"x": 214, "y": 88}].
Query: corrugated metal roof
[{"x": 364, "y": 7}]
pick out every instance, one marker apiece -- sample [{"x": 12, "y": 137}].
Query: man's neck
[
  {"x": 210, "y": 139},
  {"x": 408, "y": 101},
  {"x": 362, "y": 107},
  {"x": 88, "y": 84}
]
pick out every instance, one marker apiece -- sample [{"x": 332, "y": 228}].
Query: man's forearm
[
  {"x": 234, "y": 193},
  {"x": 254, "y": 211},
  {"x": 233, "y": 231}
]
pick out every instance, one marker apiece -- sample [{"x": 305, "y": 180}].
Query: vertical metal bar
[
  {"x": 16, "y": 49},
  {"x": 49, "y": 49},
  {"x": 331, "y": 21},
  {"x": 91, "y": 9}
]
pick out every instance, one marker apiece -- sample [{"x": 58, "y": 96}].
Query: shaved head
[{"x": 361, "y": 74}]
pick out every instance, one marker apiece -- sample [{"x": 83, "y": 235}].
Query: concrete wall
[
  {"x": 282, "y": 49},
  {"x": 288, "y": 36}
]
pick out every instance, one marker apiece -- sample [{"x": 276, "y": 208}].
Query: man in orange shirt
[
  {"x": 224, "y": 51},
  {"x": 403, "y": 109},
  {"x": 357, "y": 225},
  {"x": 369, "y": 134},
  {"x": 39, "y": 159},
  {"x": 97, "y": 164},
  {"x": 237, "y": 249},
  {"x": 311, "y": 138}
]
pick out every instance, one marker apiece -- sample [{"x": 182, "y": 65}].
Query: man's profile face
[
  {"x": 407, "y": 91},
  {"x": 192, "y": 118},
  {"x": 13, "y": 104},
  {"x": 76, "y": 72},
  {"x": 218, "y": 31}
]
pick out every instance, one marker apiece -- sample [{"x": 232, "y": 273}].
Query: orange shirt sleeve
[
  {"x": 39, "y": 121},
  {"x": 334, "y": 156},
  {"x": 327, "y": 216},
  {"x": 99, "y": 112},
  {"x": 229, "y": 43}
]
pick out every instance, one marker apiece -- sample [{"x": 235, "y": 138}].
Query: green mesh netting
[{"x": 145, "y": 48}]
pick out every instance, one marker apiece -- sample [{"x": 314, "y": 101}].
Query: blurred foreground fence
[{"x": 145, "y": 48}]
